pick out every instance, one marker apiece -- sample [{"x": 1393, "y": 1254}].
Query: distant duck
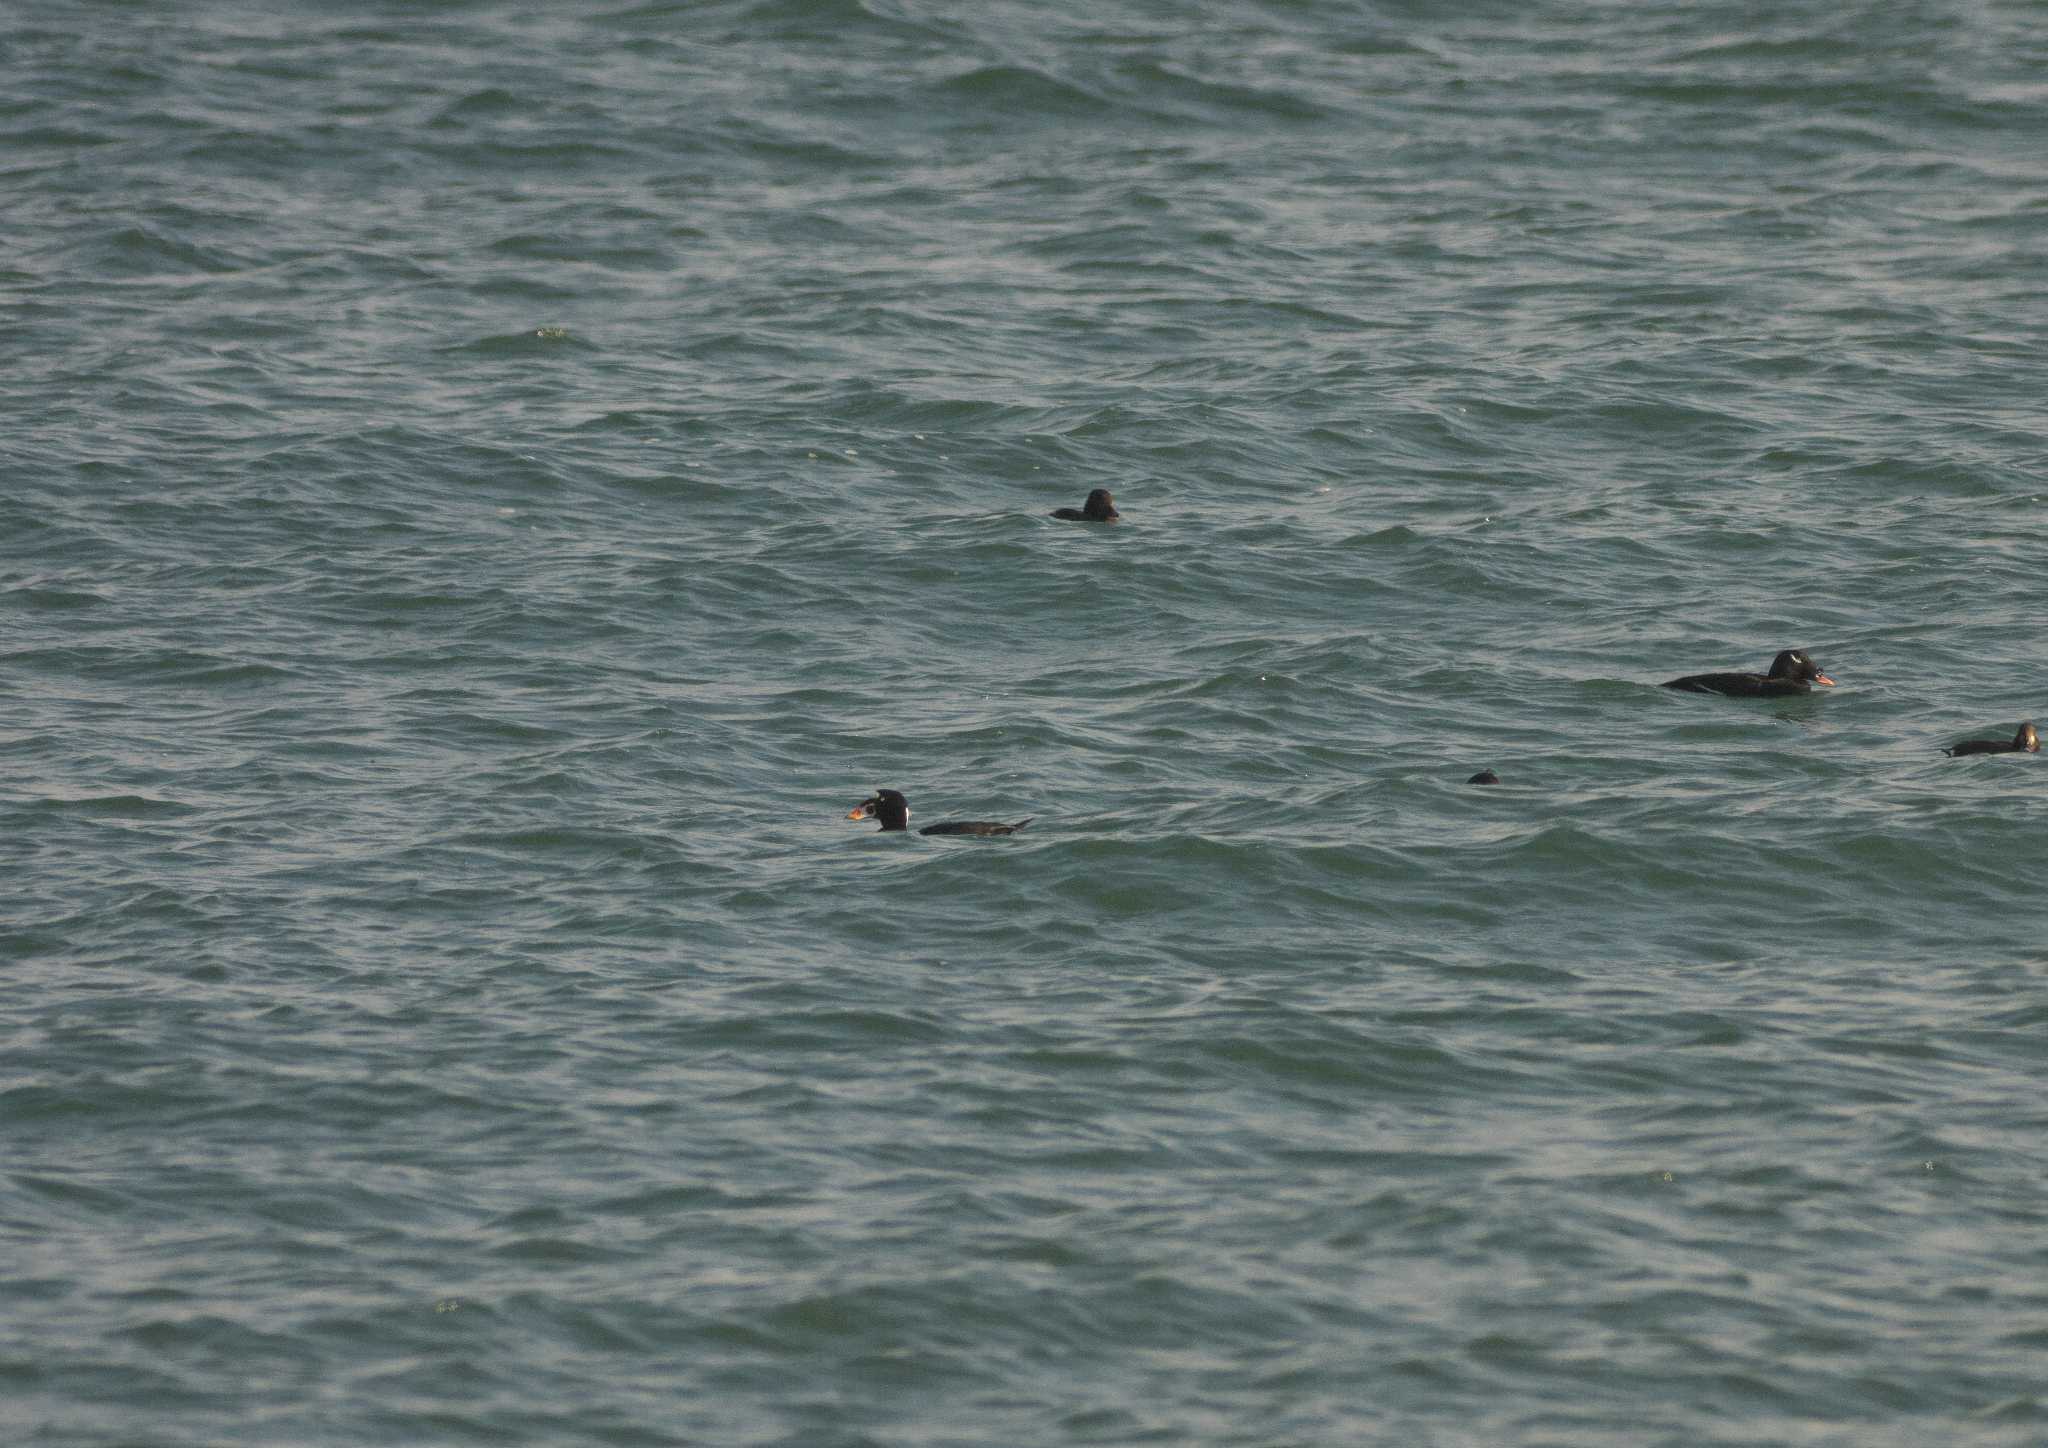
[
  {"x": 1100, "y": 508},
  {"x": 893, "y": 810},
  {"x": 1792, "y": 672},
  {"x": 2024, "y": 742},
  {"x": 1485, "y": 776}
]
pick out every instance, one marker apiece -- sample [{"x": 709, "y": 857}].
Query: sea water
[{"x": 486, "y": 487}]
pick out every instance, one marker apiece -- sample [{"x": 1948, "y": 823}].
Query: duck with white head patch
[{"x": 1792, "y": 672}]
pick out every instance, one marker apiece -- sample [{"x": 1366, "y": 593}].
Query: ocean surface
[{"x": 486, "y": 487}]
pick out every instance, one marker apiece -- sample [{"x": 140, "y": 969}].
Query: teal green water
[{"x": 485, "y": 488}]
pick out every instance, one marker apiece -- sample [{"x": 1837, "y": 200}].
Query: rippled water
[{"x": 485, "y": 488}]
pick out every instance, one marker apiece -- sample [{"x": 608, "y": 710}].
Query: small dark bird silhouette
[
  {"x": 1100, "y": 508},
  {"x": 2024, "y": 742}
]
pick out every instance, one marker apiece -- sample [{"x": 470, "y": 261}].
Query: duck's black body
[
  {"x": 1485, "y": 776},
  {"x": 1792, "y": 672},
  {"x": 1099, "y": 508},
  {"x": 2024, "y": 742},
  {"x": 893, "y": 810}
]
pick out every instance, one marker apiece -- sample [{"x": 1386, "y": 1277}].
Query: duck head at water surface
[{"x": 1098, "y": 508}]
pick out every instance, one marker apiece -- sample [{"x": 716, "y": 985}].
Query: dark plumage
[
  {"x": 1099, "y": 508},
  {"x": 1485, "y": 776},
  {"x": 1792, "y": 672},
  {"x": 893, "y": 810},
  {"x": 2024, "y": 742}
]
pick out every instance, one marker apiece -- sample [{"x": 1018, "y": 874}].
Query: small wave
[
  {"x": 1009, "y": 92},
  {"x": 841, "y": 22},
  {"x": 1220, "y": 101},
  {"x": 116, "y": 807},
  {"x": 547, "y": 340},
  {"x": 148, "y": 251},
  {"x": 490, "y": 103},
  {"x": 41, "y": 598},
  {"x": 529, "y": 246}
]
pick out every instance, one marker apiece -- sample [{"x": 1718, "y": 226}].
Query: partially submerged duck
[
  {"x": 1099, "y": 508},
  {"x": 1792, "y": 672},
  {"x": 2024, "y": 742},
  {"x": 893, "y": 810}
]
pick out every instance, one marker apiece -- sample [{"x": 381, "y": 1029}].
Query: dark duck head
[
  {"x": 1792, "y": 672},
  {"x": 893, "y": 810},
  {"x": 1099, "y": 508},
  {"x": 887, "y": 805},
  {"x": 2024, "y": 742},
  {"x": 1798, "y": 665}
]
